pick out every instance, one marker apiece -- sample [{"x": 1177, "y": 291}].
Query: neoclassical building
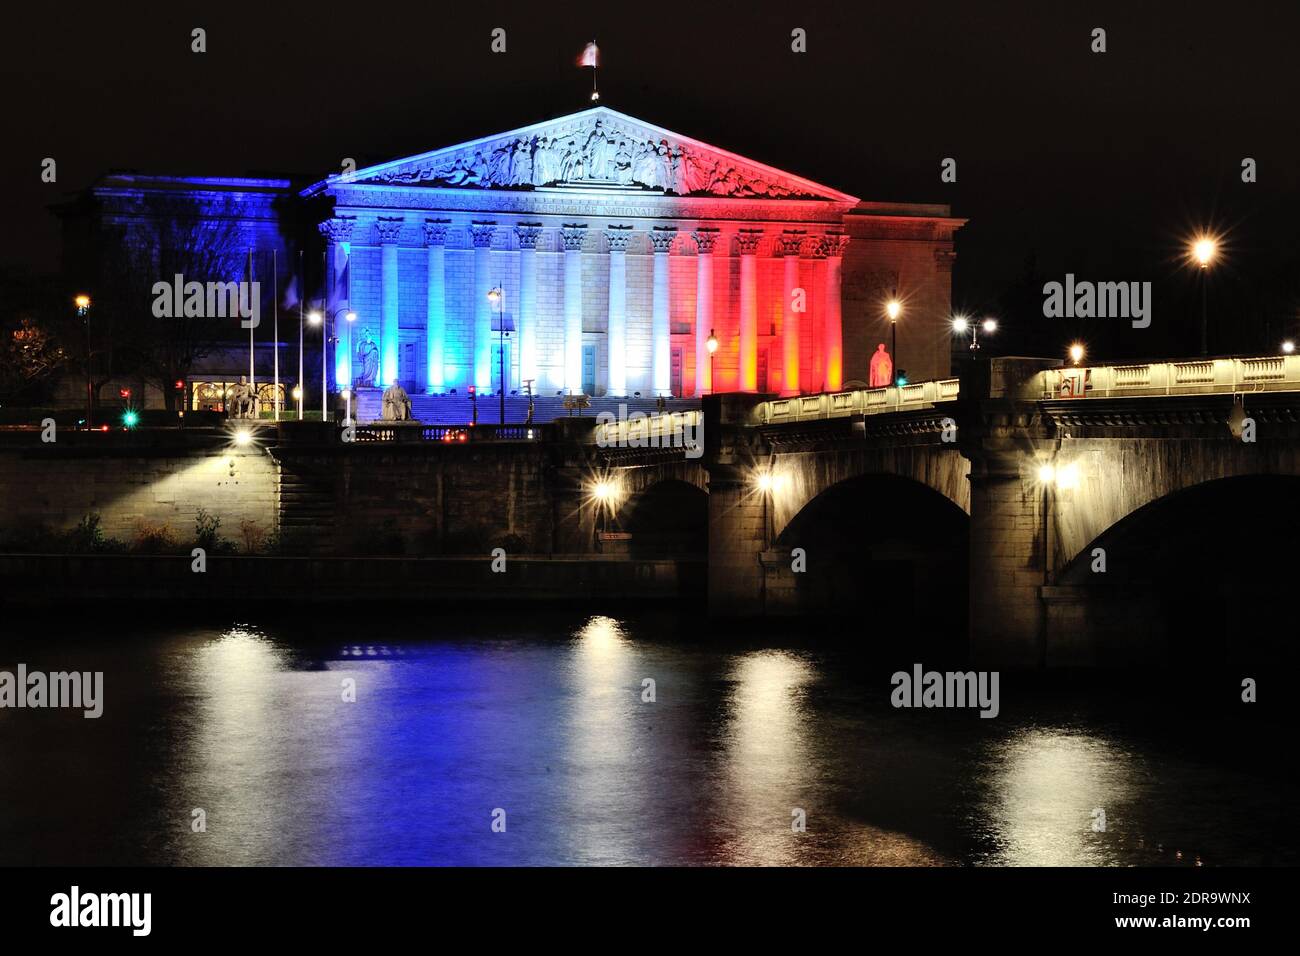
[{"x": 595, "y": 253}]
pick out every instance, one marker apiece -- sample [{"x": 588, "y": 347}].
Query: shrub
[
  {"x": 154, "y": 539},
  {"x": 205, "y": 531},
  {"x": 252, "y": 534}
]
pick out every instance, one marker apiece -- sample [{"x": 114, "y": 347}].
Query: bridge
[
  {"x": 1025, "y": 511},
  {"x": 1048, "y": 509}
]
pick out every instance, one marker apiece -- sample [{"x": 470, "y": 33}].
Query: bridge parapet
[
  {"x": 866, "y": 401},
  {"x": 1183, "y": 377}
]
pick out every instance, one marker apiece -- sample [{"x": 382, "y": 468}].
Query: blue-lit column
[
  {"x": 435, "y": 319},
  {"x": 481, "y": 348},
  {"x": 389, "y": 231},
  {"x": 338, "y": 247},
  {"x": 618, "y": 237},
  {"x": 705, "y": 240},
  {"x": 573, "y": 236},
  {"x": 526, "y": 309},
  {"x": 661, "y": 240}
]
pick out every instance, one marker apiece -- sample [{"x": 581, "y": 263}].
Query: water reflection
[
  {"x": 1049, "y": 788},
  {"x": 549, "y": 722}
]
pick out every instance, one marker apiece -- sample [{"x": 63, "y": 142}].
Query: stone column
[
  {"x": 573, "y": 236},
  {"x": 389, "y": 231},
  {"x": 789, "y": 245},
  {"x": 338, "y": 246},
  {"x": 833, "y": 336},
  {"x": 661, "y": 240},
  {"x": 526, "y": 310},
  {"x": 814, "y": 252},
  {"x": 617, "y": 237},
  {"x": 705, "y": 240},
  {"x": 435, "y": 316},
  {"x": 748, "y": 244},
  {"x": 481, "y": 342}
]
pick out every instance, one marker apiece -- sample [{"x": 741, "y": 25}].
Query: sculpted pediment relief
[{"x": 597, "y": 149}]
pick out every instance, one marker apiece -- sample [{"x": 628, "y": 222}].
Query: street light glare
[
  {"x": 243, "y": 436},
  {"x": 1076, "y": 353},
  {"x": 82, "y": 301},
  {"x": 712, "y": 342},
  {"x": 1288, "y": 347},
  {"x": 351, "y": 316},
  {"x": 893, "y": 309},
  {"x": 1204, "y": 250},
  {"x": 990, "y": 325},
  {"x": 960, "y": 324},
  {"x": 314, "y": 318}
]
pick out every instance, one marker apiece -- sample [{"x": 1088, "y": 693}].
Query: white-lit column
[
  {"x": 389, "y": 231},
  {"x": 481, "y": 346},
  {"x": 573, "y": 236},
  {"x": 834, "y": 344},
  {"x": 617, "y": 237},
  {"x": 435, "y": 314},
  {"x": 338, "y": 244},
  {"x": 661, "y": 240},
  {"x": 526, "y": 313},
  {"x": 705, "y": 240},
  {"x": 747, "y": 241},
  {"x": 789, "y": 245}
]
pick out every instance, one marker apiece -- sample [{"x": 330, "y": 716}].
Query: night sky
[{"x": 1098, "y": 164}]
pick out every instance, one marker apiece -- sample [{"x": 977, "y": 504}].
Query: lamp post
[
  {"x": 892, "y": 309},
  {"x": 1204, "y": 250},
  {"x": 315, "y": 318},
  {"x": 961, "y": 325},
  {"x": 83, "y": 309},
  {"x": 712, "y": 345},
  {"x": 497, "y": 297}
]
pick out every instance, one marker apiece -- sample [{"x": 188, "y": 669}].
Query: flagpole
[
  {"x": 252, "y": 375},
  {"x": 302, "y": 289},
  {"x": 275, "y": 312}
]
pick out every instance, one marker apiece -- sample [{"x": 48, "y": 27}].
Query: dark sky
[{"x": 1098, "y": 164}]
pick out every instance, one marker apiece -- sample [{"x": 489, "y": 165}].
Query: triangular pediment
[{"x": 598, "y": 148}]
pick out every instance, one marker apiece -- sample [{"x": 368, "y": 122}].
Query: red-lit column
[
  {"x": 705, "y": 240},
  {"x": 814, "y": 252},
  {"x": 833, "y": 347},
  {"x": 748, "y": 243},
  {"x": 789, "y": 244}
]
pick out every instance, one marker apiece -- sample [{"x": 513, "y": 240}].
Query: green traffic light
[{"x": 130, "y": 418}]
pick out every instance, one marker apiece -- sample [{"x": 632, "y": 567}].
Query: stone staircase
[{"x": 306, "y": 510}]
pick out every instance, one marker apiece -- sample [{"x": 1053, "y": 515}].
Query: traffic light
[
  {"x": 130, "y": 418},
  {"x": 902, "y": 377}
]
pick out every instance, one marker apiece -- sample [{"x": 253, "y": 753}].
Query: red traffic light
[
  {"x": 472, "y": 391},
  {"x": 180, "y": 383},
  {"x": 124, "y": 392}
]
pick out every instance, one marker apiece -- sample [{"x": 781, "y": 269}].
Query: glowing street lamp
[
  {"x": 1288, "y": 347},
  {"x": 962, "y": 325},
  {"x": 1204, "y": 251},
  {"x": 893, "y": 308},
  {"x": 497, "y": 297},
  {"x": 712, "y": 345},
  {"x": 82, "y": 302},
  {"x": 1077, "y": 352}
]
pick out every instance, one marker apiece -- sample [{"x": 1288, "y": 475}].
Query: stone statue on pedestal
[
  {"x": 397, "y": 404},
  {"x": 242, "y": 402},
  {"x": 367, "y": 361}
]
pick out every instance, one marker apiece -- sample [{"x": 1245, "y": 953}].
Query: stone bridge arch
[
  {"x": 801, "y": 476},
  {"x": 1115, "y": 479}
]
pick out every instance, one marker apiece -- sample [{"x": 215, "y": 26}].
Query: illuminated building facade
[{"x": 617, "y": 248}]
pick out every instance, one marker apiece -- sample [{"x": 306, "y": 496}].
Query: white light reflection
[{"x": 1045, "y": 785}]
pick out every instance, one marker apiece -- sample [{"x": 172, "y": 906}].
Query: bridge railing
[
  {"x": 1185, "y": 377},
  {"x": 866, "y": 401},
  {"x": 419, "y": 432},
  {"x": 647, "y": 430}
]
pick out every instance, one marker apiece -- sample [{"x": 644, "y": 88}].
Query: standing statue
[
  {"x": 367, "y": 361},
  {"x": 881, "y": 369},
  {"x": 396, "y": 404}
]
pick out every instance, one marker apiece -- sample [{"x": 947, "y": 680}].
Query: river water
[{"x": 541, "y": 722}]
